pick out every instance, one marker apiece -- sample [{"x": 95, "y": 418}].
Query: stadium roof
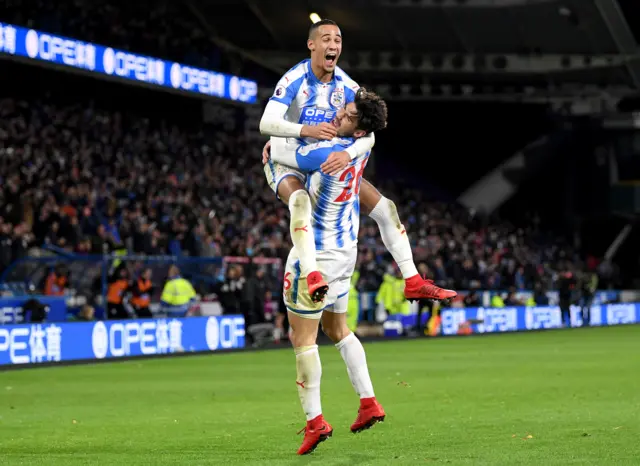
[{"x": 560, "y": 47}]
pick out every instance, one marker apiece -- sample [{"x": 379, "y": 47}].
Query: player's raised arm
[{"x": 273, "y": 122}]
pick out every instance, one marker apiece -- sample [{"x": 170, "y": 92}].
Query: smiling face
[
  {"x": 325, "y": 44},
  {"x": 367, "y": 114},
  {"x": 346, "y": 122}
]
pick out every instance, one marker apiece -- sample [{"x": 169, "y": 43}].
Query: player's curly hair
[{"x": 372, "y": 111}]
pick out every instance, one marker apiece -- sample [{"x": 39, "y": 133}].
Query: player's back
[
  {"x": 335, "y": 201},
  {"x": 335, "y": 219}
]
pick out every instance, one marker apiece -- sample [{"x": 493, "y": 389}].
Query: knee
[
  {"x": 300, "y": 202},
  {"x": 385, "y": 212},
  {"x": 336, "y": 333},
  {"x": 288, "y": 187}
]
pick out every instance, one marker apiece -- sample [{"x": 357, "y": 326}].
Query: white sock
[
  {"x": 302, "y": 231},
  {"x": 354, "y": 357},
  {"x": 394, "y": 236},
  {"x": 309, "y": 373}
]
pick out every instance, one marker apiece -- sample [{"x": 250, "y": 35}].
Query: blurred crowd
[
  {"x": 465, "y": 250},
  {"x": 95, "y": 176},
  {"x": 92, "y": 181}
]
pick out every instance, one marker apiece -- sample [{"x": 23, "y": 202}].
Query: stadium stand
[
  {"x": 72, "y": 168},
  {"x": 162, "y": 29},
  {"x": 153, "y": 28},
  {"x": 121, "y": 167}
]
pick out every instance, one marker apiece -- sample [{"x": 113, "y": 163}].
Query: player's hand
[
  {"x": 266, "y": 152},
  {"x": 322, "y": 132},
  {"x": 335, "y": 163}
]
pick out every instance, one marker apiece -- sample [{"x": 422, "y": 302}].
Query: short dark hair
[
  {"x": 372, "y": 111},
  {"x": 322, "y": 22}
]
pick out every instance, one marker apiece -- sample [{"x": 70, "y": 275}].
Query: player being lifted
[
  {"x": 336, "y": 220},
  {"x": 302, "y": 106}
]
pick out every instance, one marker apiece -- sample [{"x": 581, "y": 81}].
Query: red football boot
[
  {"x": 317, "y": 430},
  {"x": 416, "y": 288},
  {"x": 318, "y": 287},
  {"x": 370, "y": 413}
]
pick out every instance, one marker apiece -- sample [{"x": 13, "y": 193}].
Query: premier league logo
[
  {"x": 337, "y": 98},
  {"x": 280, "y": 91}
]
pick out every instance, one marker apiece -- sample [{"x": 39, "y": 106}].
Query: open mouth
[
  {"x": 335, "y": 122},
  {"x": 330, "y": 58}
]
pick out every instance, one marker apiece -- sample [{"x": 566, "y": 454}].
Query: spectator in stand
[
  {"x": 231, "y": 290},
  {"x": 116, "y": 291},
  {"x": 178, "y": 294},
  {"x": 255, "y": 293},
  {"x": 141, "y": 291},
  {"x": 472, "y": 299},
  {"x": 57, "y": 281}
]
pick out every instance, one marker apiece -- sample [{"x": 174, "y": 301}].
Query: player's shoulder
[
  {"x": 342, "y": 143},
  {"x": 336, "y": 144},
  {"x": 294, "y": 75},
  {"x": 341, "y": 75},
  {"x": 290, "y": 83}
]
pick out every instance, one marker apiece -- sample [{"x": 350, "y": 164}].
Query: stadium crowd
[
  {"x": 93, "y": 177},
  {"x": 88, "y": 180}
]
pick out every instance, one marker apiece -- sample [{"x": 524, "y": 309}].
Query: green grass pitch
[{"x": 547, "y": 398}]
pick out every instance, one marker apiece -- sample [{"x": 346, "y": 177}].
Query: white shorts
[
  {"x": 276, "y": 172},
  {"x": 336, "y": 266}
]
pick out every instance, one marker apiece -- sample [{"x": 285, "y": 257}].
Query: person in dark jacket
[
  {"x": 231, "y": 289},
  {"x": 255, "y": 293},
  {"x": 566, "y": 286}
]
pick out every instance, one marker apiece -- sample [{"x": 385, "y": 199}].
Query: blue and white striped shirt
[
  {"x": 334, "y": 199},
  {"x": 310, "y": 101}
]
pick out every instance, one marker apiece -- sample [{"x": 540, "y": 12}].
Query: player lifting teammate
[
  {"x": 336, "y": 220},
  {"x": 304, "y": 102}
]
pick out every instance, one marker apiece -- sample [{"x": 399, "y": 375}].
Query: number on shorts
[{"x": 287, "y": 282}]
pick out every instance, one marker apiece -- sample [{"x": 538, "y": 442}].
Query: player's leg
[
  {"x": 395, "y": 238},
  {"x": 334, "y": 325},
  {"x": 304, "y": 317},
  {"x": 288, "y": 185},
  {"x": 304, "y": 332}
]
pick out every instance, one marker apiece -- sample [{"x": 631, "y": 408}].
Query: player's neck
[{"x": 320, "y": 73}]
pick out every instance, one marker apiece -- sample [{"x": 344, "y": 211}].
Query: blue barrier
[
  {"x": 599, "y": 297},
  {"x": 38, "y": 343},
  {"x": 510, "y": 319},
  {"x": 513, "y": 319},
  {"x": 85, "y": 56},
  {"x": 11, "y": 311}
]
